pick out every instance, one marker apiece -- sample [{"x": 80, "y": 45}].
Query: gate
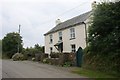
[{"x": 79, "y": 55}]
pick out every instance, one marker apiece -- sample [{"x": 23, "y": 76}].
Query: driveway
[{"x": 29, "y": 69}]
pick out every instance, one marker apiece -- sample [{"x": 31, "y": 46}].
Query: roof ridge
[
  {"x": 78, "y": 15},
  {"x": 75, "y": 20}
]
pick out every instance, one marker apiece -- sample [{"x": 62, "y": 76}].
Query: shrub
[
  {"x": 67, "y": 64},
  {"x": 43, "y": 56},
  {"x": 18, "y": 56},
  {"x": 33, "y": 59},
  {"x": 54, "y": 55},
  {"x": 46, "y": 60}
]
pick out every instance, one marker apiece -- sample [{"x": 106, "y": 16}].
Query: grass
[{"x": 92, "y": 74}]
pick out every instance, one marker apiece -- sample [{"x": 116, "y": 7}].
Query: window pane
[
  {"x": 51, "y": 49},
  {"x": 60, "y": 38},
  {"x": 73, "y": 48},
  {"x": 60, "y": 35},
  {"x": 73, "y": 30},
  {"x": 72, "y": 33},
  {"x": 51, "y": 38}
]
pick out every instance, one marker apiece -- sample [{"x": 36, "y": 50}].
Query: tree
[
  {"x": 104, "y": 32},
  {"x": 31, "y": 51},
  {"x": 104, "y": 37},
  {"x": 10, "y": 44},
  {"x": 39, "y": 48}
]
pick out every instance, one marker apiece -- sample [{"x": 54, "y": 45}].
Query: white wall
[{"x": 79, "y": 40}]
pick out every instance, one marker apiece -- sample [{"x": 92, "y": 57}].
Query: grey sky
[{"x": 37, "y": 16}]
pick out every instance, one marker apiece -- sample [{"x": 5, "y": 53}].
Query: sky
[{"x": 37, "y": 17}]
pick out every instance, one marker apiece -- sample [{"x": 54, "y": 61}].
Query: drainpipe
[{"x": 85, "y": 33}]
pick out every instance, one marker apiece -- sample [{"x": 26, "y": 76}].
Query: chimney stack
[
  {"x": 58, "y": 21},
  {"x": 94, "y": 4}
]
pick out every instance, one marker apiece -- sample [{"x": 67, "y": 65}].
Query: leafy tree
[
  {"x": 104, "y": 37},
  {"x": 39, "y": 48},
  {"x": 10, "y": 44},
  {"x": 105, "y": 27}
]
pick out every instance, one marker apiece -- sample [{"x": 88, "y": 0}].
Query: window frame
[
  {"x": 51, "y": 38},
  {"x": 72, "y": 33},
  {"x": 73, "y": 48},
  {"x": 60, "y": 35}
]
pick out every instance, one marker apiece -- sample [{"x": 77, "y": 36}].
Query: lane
[
  {"x": 0, "y": 69},
  {"x": 28, "y": 69}
]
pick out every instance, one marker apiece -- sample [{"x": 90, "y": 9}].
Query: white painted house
[{"x": 68, "y": 36}]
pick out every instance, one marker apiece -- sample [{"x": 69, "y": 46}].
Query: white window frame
[
  {"x": 60, "y": 36},
  {"x": 73, "y": 49},
  {"x": 72, "y": 33}
]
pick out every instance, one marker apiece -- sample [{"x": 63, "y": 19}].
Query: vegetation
[
  {"x": 54, "y": 55},
  {"x": 30, "y": 52},
  {"x": 67, "y": 64},
  {"x": 103, "y": 52},
  {"x": 93, "y": 74},
  {"x": 18, "y": 56},
  {"x": 10, "y": 44}
]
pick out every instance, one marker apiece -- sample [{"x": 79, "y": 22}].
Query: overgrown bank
[{"x": 103, "y": 52}]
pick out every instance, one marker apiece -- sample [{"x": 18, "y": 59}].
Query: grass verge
[{"x": 92, "y": 74}]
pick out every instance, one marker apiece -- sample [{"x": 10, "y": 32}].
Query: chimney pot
[
  {"x": 58, "y": 21},
  {"x": 94, "y": 4}
]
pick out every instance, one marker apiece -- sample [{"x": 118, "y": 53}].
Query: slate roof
[{"x": 71, "y": 22}]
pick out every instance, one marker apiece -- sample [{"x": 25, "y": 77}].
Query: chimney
[
  {"x": 94, "y": 4},
  {"x": 58, "y": 21}
]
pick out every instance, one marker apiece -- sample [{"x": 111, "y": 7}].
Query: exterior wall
[{"x": 79, "y": 40}]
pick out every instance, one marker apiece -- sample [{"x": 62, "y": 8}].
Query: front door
[{"x": 79, "y": 55}]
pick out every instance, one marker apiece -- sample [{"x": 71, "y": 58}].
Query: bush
[
  {"x": 67, "y": 64},
  {"x": 18, "y": 56},
  {"x": 33, "y": 59},
  {"x": 54, "y": 55},
  {"x": 43, "y": 56},
  {"x": 64, "y": 59},
  {"x": 46, "y": 60}
]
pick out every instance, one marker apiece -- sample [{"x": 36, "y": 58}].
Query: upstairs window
[
  {"x": 51, "y": 38},
  {"x": 72, "y": 33},
  {"x": 60, "y": 36},
  {"x": 73, "y": 48}
]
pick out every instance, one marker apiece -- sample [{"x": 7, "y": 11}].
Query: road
[
  {"x": 0, "y": 69},
  {"x": 29, "y": 69}
]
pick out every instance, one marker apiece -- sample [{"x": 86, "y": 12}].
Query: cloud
[{"x": 37, "y": 16}]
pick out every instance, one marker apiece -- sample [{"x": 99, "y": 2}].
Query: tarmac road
[
  {"x": 29, "y": 69},
  {"x": 0, "y": 69}
]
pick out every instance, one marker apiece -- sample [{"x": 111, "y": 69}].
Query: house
[{"x": 69, "y": 35}]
